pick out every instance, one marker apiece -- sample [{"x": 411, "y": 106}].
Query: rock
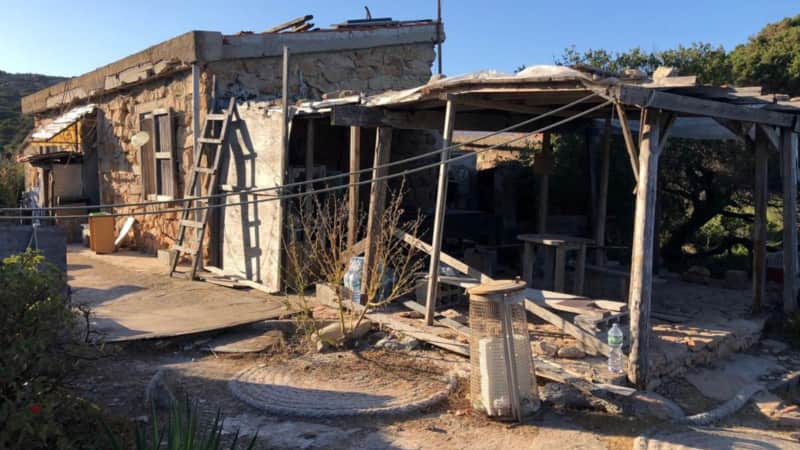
[
  {"x": 563, "y": 396},
  {"x": 545, "y": 348},
  {"x": 649, "y": 405},
  {"x": 160, "y": 390},
  {"x": 774, "y": 346},
  {"x": 571, "y": 352},
  {"x": 412, "y": 315},
  {"x": 409, "y": 343},
  {"x": 737, "y": 279},
  {"x": 331, "y": 335},
  {"x": 697, "y": 274}
]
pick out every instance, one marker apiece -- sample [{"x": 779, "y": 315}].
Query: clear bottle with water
[
  {"x": 352, "y": 279},
  {"x": 615, "y": 356}
]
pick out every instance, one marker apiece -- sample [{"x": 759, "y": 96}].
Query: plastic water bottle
[
  {"x": 352, "y": 279},
  {"x": 615, "y": 340}
]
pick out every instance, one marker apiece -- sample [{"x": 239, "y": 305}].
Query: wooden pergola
[{"x": 490, "y": 102}]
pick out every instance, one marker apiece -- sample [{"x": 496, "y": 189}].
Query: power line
[
  {"x": 327, "y": 189},
  {"x": 315, "y": 180}
]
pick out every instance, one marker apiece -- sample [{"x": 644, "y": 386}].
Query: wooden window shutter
[
  {"x": 165, "y": 158},
  {"x": 146, "y": 157}
]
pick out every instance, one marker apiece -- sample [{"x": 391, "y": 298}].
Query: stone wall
[{"x": 369, "y": 71}]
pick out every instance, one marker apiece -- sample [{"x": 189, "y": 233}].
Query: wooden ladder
[{"x": 212, "y": 142}]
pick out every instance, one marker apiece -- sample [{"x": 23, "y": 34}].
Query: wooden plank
[
  {"x": 610, "y": 305},
  {"x": 294, "y": 22},
  {"x": 760, "y": 197},
  {"x": 789, "y": 162},
  {"x": 438, "y": 221},
  {"x": 658, "y": 100},
  {"x": 630, "y": 144},
  {"x": 450, "y": 323},
  {"x": 641, "y": 279},
  {"x": 421, "y": 332},
  {"x": 590, "y": 343},
  {"x": 352, "y": 190},
  {"x": 577, "y": 306},
  {"x": 377, "y": 200},
  {"x": 374, "y": 116},
  {"x": 443, "y": 257}
]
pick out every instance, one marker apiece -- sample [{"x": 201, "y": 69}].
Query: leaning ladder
[{"x": 212, "y": 142}]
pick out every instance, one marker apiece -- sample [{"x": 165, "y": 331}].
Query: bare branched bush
[{"x": 317, "y": 252}]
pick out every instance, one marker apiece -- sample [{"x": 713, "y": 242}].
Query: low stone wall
[{"x": 51, "y": 241}]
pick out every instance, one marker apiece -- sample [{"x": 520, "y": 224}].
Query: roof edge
[{"x": 180, "y": 52}]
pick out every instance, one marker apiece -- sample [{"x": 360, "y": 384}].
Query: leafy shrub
[{"x": 36, "y": 329}]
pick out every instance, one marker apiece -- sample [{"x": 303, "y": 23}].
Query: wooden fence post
[
  {"x": 352, "y": 199},
  {"x": 789, "y": 163},
  {"x": 760, "y": 194}
]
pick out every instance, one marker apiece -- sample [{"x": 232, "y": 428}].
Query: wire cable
[
  {"x": 327, "y": 189},
  {"x": 315, "y": 180}
]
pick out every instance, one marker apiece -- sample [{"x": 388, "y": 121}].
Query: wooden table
[{"x": 559, "y": 243}]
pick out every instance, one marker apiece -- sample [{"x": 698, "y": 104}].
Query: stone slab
[{"x": 723, "y": 382}]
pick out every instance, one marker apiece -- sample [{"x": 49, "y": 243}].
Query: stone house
[{"x": 125, "y": 132}]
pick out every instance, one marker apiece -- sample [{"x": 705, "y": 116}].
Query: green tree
[{"x": 771, "y": 58}]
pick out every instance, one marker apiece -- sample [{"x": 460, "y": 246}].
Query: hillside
[{"x": 13, "y": 86}]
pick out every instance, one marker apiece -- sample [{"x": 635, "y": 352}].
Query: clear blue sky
[{"x": 59, "y": 37}]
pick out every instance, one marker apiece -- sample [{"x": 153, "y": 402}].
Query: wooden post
[
  {"x": 789, "y": 162},
  {"x": 760, "y": 194},
  {"x": 438, "y": 221},
  {"x": 544, "y": 187},
  {"x": 284, "y": 150},
  {"x": 640, "y": 291},
  {"x": 310, "y": 153},
  {"x": 602, "y": 203},
  {"x": 377, "y": 201},
  {"x": 352, "y": 201}
]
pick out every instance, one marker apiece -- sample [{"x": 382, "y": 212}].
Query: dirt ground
[{"x": 118, "y": 378}]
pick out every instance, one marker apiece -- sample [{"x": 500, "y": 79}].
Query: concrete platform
[{"x": 131, "y": 297}]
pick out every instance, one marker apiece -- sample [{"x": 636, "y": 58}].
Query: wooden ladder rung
[
  {"x": 204, "y": 169},
  {"x": 184, "y": 249},
  {"x": 209, "y": 140},
  {"x": 192, "y": 224},
  {"x": 216, "y": 116}
]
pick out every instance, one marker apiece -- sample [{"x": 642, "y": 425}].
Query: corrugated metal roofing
[{"x": 62, "y": 122}]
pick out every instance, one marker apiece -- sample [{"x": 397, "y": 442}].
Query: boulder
[
  {"x": 332, "y": 335},
  {"x": 571, "y": 352}
]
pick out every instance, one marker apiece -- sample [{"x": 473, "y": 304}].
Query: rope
[
  {"x": 331, "y": 188},
  {"x": 321, "y": 179}
]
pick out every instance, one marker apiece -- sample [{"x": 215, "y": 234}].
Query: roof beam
[
  {"x": 374, "y": 117},
  {"x": 654, "y": 99}
]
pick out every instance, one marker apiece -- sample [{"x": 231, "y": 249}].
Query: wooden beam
[
  {"x": 310, "y": 130},
  {"x": 772, "y": 136},
  {"x": 373, "y": 117},
  {"x": 789, "y": 162},
  {"x": 289, "y": 24},
  {"x": 630, "y": 144},
  {"x": 654, "y": 99},
  {"x": 602, "y": 202},
  {"x": 438, "y": 221},
  {"x": 377, "y": 202},
  {"x": 760, "y": 194},
  {"x": 443, "y": 257},
  {"x": 352, "y": 198},
  {"x": 590, "y": 344},
  {"x": 641, "y": 280}
]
